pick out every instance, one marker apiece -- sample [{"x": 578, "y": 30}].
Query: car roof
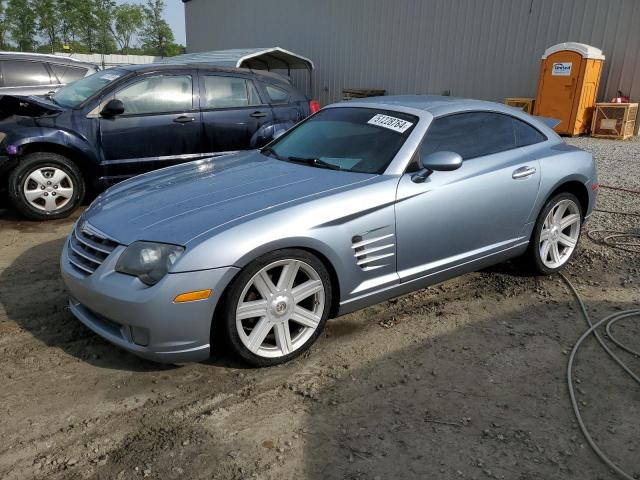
[
  {"x": 159, "y": 67},
  {"x": 435, "y": 104},
  {"x": 46, "y": 57}
]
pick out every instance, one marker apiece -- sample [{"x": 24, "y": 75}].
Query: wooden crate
[
  {"x": 523, "y": 103},
  {"x": 614, "y": 120},
  {"x": 349, "y": 93}
]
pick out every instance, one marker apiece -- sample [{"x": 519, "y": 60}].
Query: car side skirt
[{"x": 433, "y": 278}]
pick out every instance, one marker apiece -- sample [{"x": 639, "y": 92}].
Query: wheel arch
[
  {"x": 246, "y": 259},
  {"x": 76, "y": 156},
  {"x": 574, "y": 187}
]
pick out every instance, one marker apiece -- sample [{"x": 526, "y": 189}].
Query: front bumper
[{"x": 144, "y": 320}]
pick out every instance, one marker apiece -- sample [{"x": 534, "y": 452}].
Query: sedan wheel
[
  {"x": 560, "y": 232},
  {"x": 555, "y": 235},
  {"x": 279, "y": 307}
]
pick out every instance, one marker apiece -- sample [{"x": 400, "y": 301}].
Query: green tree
[
  {"x": 128, "y": 20},
  {"x": 48, "y": 22},
  {"x": 3, "y": 27},
  {"x": 157, "y": 37},
  {"x": 104, "y": 12},
  {"x": 86, "y": 25},
  {"x": 69, "y": 20},
  {"x": 21, "y": 24}
]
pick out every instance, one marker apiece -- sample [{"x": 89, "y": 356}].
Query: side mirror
[
  {"x": 113, "y": 108},
  {"x": 437, "y": 161}
]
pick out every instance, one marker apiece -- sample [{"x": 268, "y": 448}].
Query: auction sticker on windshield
[{"x": 392, "y": 123}]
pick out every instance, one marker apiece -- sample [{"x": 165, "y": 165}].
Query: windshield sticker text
[{"x": 392, "y": 123}]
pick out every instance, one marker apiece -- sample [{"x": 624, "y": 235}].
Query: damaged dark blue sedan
[{"x": 129, "y": 120}]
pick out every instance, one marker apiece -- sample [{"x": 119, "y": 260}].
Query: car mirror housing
[
  {"x": 112, "y": 108},
  {"x": 442, "y": 161}
]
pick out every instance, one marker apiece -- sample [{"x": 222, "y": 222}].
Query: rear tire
[
  {"x": 276, "y": 308},
  {"x": 46, "y": 186},
  {"x": 555, "y": 236}
]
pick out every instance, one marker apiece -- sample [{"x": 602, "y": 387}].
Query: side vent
[{"x": 372, "y": 252}]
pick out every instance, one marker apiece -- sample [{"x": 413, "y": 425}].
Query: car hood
[
  {"x": 27, "y": 106},
  {"x": 176, "y": 204}
]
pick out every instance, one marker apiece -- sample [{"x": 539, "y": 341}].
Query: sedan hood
[{"x": 176, "y": 204}]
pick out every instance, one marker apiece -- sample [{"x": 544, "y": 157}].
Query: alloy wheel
[
  {"x": 560, "y": 233},
  {"x": 48, "y": 188},
  {"x": 280, "y": 308}
]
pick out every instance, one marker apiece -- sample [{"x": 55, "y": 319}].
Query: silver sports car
[{"x": 361, "y": 202}]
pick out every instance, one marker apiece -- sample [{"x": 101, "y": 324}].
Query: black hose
[
  {"x": 629, "y": 242},
  {"x": 610, "y": 320}
]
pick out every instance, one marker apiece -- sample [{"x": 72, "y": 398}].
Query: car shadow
[{"x": 33, "y": 296}]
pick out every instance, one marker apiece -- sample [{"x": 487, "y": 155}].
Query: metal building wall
[{"x": 487, "y": 49}]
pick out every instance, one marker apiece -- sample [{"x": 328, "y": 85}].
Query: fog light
[
  {"x": 140, "y": 336},
  {"x": 193, "y": 296}
]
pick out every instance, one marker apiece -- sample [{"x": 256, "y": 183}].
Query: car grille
[
  {"x": 88, "y": 248},
  {"x": 372, "y": 252}
]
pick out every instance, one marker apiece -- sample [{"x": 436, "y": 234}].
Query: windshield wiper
[
  {"x": 314, "y": 162},
  {"x": 271, "y": 153}
]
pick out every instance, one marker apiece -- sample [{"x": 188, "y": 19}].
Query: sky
[{"x": 173, "y": 14}]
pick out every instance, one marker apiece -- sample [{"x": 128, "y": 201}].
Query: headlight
[{"x": 148, "y": 261}]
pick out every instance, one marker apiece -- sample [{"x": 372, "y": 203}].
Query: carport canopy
[{"x": 273, "y": 58}]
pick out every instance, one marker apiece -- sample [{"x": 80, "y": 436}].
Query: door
[
  {"x": 159, "y": 127},
  {"x": 460, "y": 216},
  {"x": 234, "y": 117},
  {"x": 558, "y": 82}
]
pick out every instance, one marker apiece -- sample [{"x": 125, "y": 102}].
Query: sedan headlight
[{"x": 148, "y": 261}]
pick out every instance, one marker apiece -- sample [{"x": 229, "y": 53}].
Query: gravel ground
[{"x": 462, "y": 380}]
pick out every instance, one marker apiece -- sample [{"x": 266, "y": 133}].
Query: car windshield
[
  {"x": 354, "y": 139},
  {"x": 75, "y": 93}
]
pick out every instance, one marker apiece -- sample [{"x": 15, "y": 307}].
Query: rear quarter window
[
  {"x": 277, "y": 94},
  {"x": 68, "y": 73},
  {"x": 527, "y": 134}
]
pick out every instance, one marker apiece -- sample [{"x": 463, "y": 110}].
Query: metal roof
[
  {"x": 271, "y": 58},
  {"x": 587, "y": 51}
]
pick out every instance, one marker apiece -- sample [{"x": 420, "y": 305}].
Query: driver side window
[{"x": 158, "y": 94}]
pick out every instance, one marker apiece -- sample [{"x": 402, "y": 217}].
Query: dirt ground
[{"x": 464, "y": 380}]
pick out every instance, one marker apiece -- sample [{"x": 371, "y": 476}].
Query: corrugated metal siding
[{"x": 487, "y": 49}]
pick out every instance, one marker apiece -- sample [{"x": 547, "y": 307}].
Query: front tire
[
  {"x": 46, "y": 186},
  {"x": 277, "y": 306},
  {"x": 555, "y": 235}
]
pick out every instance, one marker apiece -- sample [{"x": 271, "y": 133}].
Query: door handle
[
  {"x": 257, "y": 114},
  {"x": 523, "y": 172},
  {"x": 183, "y": 119}
]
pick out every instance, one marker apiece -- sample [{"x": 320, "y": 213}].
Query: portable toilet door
[{"x": 568, "y": 85}]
